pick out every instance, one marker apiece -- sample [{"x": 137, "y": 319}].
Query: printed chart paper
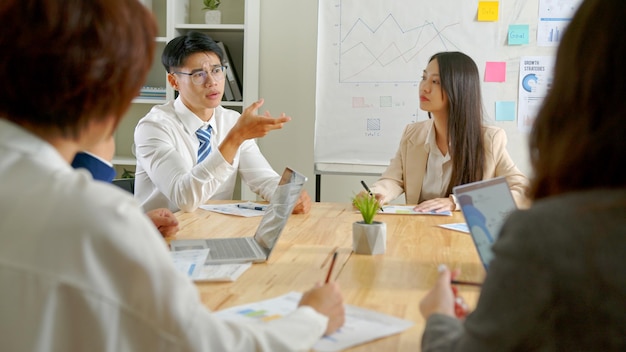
[{"x": 362, "y": 325}]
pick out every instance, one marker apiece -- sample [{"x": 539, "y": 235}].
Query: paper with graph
[{"x": 362, "y": 325}]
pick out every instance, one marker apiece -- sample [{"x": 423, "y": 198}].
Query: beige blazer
[{"x": 406, "y": 170}]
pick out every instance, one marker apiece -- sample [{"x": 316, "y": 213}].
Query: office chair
[{"x": 127, "y": 184}]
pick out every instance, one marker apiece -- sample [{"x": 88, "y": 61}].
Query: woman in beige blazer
[{"x": 452, "y": 147}]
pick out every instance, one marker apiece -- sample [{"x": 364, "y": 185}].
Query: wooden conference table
[{"x": 392, "y": 283}]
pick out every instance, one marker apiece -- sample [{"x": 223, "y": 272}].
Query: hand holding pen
[
  {"x": 443, "y": 298},
  {"x": 371, "y": 194},
  {"x": 327, "y": 300}
]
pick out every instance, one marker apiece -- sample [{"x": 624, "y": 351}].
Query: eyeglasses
[{"x": 200, "y": 77}]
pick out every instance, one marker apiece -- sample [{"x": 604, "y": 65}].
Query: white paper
[
  {"x": 554, "y": 17},
  {"x": 535, "y": 79},
  {"x": 234, "y": 209},
  {"x": 191, "y": 263},
  {"x": 187, "y": 261},
  {"x": 459, "y": 226},
  {"x": 220, "y": 272},
  {"x": 362, "y": 325},
  {"x": 408, "y": 210}
]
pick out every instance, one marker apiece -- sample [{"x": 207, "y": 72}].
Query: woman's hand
[{"x": 437, "y": 205}]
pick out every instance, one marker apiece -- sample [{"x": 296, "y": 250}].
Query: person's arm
[
  {"x": 515, "y": 297},
  {"x": 303, "y": 206},
  {"x": 249, "y": 126},
  {"x": 164, "y": 220},
  {"x": 169, "y": 162},
  {"x": 164, "y": 304},
  {"x": 504, "y": 166},
  {"x": 391, "y": 183}
]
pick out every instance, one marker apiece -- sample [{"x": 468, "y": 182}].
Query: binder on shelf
[
  {"x": 231, "y": 76},
  {"x": 228, "y": 93},
  {"x": 147, "y": 92}
]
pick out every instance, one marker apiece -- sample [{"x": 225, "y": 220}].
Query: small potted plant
[
  {"x": 212, "y": 15},
  {"x": 368, "y": 236}
]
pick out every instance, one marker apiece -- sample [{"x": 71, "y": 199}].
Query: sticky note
[
  {"x": 505, "y": 111},
  {"x": 518, "y": 34},
  {"x": 495, "y": 71},
  {"x": 488, "y": 10}
]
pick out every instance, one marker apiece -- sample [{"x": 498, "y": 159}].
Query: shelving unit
[{"x": 240, "y": 33}]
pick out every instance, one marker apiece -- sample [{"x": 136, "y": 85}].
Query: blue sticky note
[
  {"x": 518, "y": 34},
  {"x": 505, "y": 111}
]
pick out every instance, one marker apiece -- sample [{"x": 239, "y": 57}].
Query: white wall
[
  {"x": 287, "y": 82},
  {"x": 288, "y": 41}
]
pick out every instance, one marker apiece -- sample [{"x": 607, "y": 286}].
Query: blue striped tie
[{"x": 204, "y": 137}]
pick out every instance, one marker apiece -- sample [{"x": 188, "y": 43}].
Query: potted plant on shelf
[
  {"x": 212, "y": 15},
  {"x": 368, "y": 236}
]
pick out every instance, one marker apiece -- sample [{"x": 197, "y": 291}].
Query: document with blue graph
[{"x": 362, "y": 325}]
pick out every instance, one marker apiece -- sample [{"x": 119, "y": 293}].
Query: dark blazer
[
  {"x": 557, "y": 282},
  {"x": 98, "y": 169}
]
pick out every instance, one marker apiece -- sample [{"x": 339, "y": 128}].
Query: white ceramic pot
[
  {"x": 369, "y": 238},
  {"x": 213, "y": 17}
]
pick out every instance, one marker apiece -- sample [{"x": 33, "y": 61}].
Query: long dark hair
[
  {"x": 578, "y": 140},
  {"x": 461, "y": 82}
]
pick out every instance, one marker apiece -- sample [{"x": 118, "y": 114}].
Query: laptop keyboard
[{"x": 231, "y": 248}]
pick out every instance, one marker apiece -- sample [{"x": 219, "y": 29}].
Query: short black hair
[{"x": 181, "y": 47}]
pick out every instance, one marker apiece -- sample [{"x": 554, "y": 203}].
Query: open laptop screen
[
  {"x": 485, "y": 205},
  {"x": 280, "y": 207}
]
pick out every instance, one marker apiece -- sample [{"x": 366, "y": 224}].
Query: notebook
[
  {"x": 485, "y": 206},
  {"x": 255, "y": 248}
]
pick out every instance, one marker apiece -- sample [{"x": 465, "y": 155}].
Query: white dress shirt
[
  {"x": 168, "y": 175},
  {"x": 83, "y": 269}
]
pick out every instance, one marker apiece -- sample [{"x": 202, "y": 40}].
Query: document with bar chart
[
  {"x": 362, "y": 325},
  {"x": 554, "y": 17}
]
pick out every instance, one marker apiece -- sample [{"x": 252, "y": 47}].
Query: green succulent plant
[
  {"x": 368, "y": 205},
  {"x": 128, "y": 174},
  {"x": 211, "y": 4}
]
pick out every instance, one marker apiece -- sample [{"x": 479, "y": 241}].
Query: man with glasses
[{"x": 189, "y": 150}]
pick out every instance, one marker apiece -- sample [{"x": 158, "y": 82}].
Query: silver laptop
[
  {"x": 256, "y": 248},
  {"x": 485, "y": 206}
]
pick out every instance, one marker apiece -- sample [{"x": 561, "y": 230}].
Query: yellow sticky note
[{"x": 488, "y": 10}]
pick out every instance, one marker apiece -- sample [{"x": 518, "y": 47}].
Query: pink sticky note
[{"x": 495, "y": 71}]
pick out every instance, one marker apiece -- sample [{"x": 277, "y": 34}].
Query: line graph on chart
[
  {"x": 383, "y": 44},
  {"x": 386, "y": 52},
  {"x": 370, "y": 58}
]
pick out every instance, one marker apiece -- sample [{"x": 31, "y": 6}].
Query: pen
[
  {"x": 330, "y": 270},
  {"x": 252, "y": 206},
  {"x": 370, "y": 193},
  {"x": 367, "y": 188},
  {"x": 468, "y": 283}
]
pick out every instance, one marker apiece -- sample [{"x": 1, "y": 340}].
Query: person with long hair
[
  {"x": 82, "y": 268},
  {"x": 452, "y": 147},
  {"x": 556, "y": 282}
]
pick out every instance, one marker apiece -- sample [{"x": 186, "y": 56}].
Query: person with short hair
[
  {"x": 81, "y": 266},
  {"x": 97, "y": 161},
  {"x": 191, "y": 149}
]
